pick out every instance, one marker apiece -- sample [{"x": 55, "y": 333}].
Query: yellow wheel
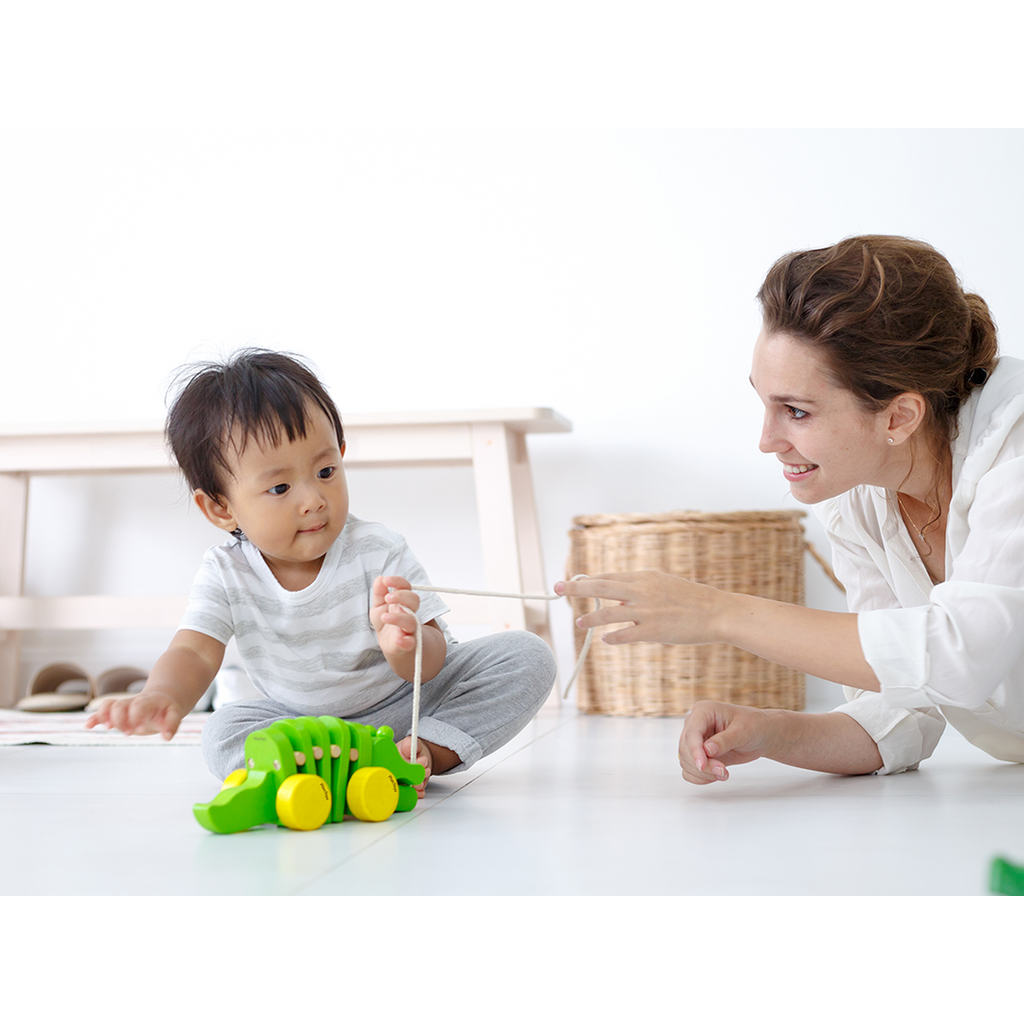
[
  {"x": 303, "y": 802},
  {"x": 372, "y": 794},
  {"x": 236, "y": 778}
]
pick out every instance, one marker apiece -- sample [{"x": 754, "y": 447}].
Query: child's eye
[
  {"x": 797, "y": 414},
  {"x": 326, "y": 473},
  {"x": 279, "y": 489}
]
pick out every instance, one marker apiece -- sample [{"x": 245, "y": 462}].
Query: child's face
[{"x": 290, "y": 500}]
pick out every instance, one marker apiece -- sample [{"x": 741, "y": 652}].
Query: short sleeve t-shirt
[{"x": 313, "y": 650}]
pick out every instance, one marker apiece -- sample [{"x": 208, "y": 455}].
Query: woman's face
[{"x": 826, "y": 441}]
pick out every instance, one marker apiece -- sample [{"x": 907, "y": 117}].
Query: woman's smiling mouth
[{"x": 796, "y": 470}]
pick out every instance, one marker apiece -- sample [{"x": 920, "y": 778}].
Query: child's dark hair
[{"x": 254, "y": 394}]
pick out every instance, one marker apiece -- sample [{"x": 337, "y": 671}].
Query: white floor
[{"x": 575, "y": 806}]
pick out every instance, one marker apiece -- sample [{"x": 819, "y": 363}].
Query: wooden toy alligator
[{"x": 300, "y": 772}]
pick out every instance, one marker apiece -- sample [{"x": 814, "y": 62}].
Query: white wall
[{"x": 604, "y": 268}]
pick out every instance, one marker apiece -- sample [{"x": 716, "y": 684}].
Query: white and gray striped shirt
[{"x": 313, "y": 650}]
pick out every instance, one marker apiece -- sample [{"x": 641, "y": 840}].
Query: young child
[{"x": 319, "y": 602}]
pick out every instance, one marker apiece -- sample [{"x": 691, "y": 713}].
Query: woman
[{"x": 889, "y": 409}]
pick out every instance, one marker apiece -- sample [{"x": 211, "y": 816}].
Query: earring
[{"x": 891, "y": 441}]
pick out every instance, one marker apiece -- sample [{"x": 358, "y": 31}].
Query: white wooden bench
[{"x": 493, "y": 442}]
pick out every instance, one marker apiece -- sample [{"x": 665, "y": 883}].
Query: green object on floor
[
  {"x": 1006, "y": 879},
  {"x": 302, "y": 772}
]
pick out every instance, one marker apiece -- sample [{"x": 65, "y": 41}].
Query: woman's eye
[
  {"x": 326, "y": 473},
  {"x": 797, "y": 414},
  {"x": 279, "y": 489}
]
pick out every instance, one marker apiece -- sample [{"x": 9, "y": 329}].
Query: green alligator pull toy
[{"x": 302, "y": 772}]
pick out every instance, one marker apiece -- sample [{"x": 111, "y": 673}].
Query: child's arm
[
  {"x": 181, "y": 675},
  {"x": 392, "y": 613}
]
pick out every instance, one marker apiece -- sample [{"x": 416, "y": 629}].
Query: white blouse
[{"x": 955, "y": 647}]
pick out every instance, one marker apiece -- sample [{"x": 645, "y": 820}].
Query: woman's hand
[
  {"x": 717, "y": 735},
  {"x": 659, "y": 607}
]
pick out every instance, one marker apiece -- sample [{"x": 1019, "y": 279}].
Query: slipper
[
  {"x": 118, "y": 683},
  {"x": 60, "y": 687}
]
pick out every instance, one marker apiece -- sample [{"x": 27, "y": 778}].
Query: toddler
[{"x": 319, "y": 602}]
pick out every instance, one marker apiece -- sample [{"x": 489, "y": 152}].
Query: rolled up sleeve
[
  {"x": 950, "y": 652},
  {"x": 904, "y": 737}
]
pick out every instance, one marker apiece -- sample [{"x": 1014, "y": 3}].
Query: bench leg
[
  {"x": 13, "y": 524},
  {"x": 508, "y": 527}
]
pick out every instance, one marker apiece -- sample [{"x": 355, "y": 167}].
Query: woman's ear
[
  {"x": 218, "y": 514},
  {"x": 905, "y": 414}
]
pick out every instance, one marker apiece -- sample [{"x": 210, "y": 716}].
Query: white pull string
[{"x": 418, "y": 661}]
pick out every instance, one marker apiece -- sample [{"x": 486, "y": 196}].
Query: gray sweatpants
[{"x": 487, "y": 691}]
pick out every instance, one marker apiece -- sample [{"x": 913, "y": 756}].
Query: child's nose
[{"x": 313, "y": 499}]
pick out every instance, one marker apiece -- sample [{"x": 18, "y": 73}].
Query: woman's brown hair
[{"x": 889, "y": 316}]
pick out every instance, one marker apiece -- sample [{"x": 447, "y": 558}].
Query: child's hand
[
  {"x": 142, "y": 715},
  {"x": 392, "y": 613}
]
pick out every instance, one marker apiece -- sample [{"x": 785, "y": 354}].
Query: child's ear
[{"x": 218, "y": 514}]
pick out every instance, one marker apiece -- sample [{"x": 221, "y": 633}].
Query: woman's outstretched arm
[{"x": 660, "y": 608}]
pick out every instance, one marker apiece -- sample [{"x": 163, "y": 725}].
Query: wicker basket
[{"x": 760, "y": 553}]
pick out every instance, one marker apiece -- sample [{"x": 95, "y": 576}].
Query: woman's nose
[{"x": 770, "y": 441}]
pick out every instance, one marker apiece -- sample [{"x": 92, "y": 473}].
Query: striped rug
[{"x": 67, "y": 729}]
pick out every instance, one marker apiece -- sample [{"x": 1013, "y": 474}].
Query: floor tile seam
[
  {"x": 505, "y": 757},
  {"x": 354, "y": 855}
]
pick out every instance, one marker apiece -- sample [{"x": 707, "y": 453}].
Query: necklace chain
[{"x": 919, "y": 531}]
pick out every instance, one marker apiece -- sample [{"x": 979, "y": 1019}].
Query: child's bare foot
[{"x": 428, "y": 755}]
